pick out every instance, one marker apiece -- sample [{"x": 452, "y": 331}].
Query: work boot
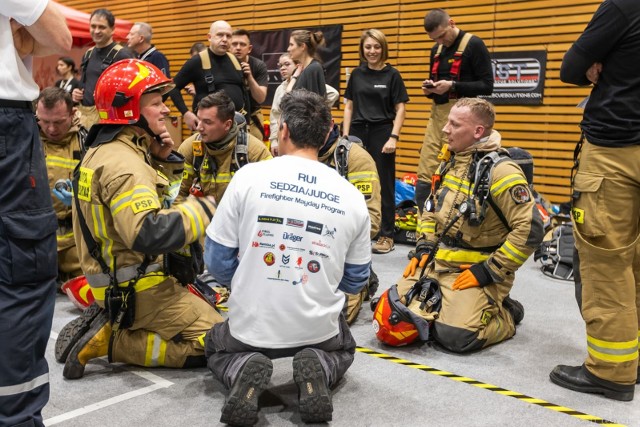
[
  {"x": 384, "y": 245},
  {"x": 241, "y": 407},
  {"x": 578, "y": 378},
  {"x": 73, "y": 331},
  {"x": 515, "y": 308},
  {"x": 94, "y": 343},
  {"x": 313, "y": 394}
]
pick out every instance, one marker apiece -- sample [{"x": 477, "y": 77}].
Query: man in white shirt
[
  {"x": 28, "y": 224},
  {"x": 289, "y": 246}
]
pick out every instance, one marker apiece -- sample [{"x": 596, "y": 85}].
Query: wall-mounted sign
[{"x": 518, "y": 77}]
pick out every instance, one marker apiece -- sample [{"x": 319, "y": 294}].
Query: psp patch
[{"x": 520, "y": 194}]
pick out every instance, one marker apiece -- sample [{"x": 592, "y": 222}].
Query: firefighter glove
[
  {"x": 63, "y": 193},
  {"x": 472, "y": 276},
  {"x": 419, "y": 259}
]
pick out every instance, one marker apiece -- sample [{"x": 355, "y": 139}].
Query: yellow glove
[
  {"x": 410, "y": 270},
  {"x": 472, "y": 276}
]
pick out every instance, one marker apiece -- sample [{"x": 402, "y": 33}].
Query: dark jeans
[
  {"x": 28, "y": 269},
  {"x": 226, "y": 355},
  {"x": 374, "y": 136}
]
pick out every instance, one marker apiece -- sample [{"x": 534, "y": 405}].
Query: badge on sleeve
[{"x": 520, "y": 194}]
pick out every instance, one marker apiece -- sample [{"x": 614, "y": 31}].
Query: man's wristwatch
[
  {"x": 453, "y": 86},
  {"x": 393, "y": 135}
]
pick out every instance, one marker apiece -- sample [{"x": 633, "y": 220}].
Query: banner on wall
[
  {"x": 518, "y": 77},
  {"x": 269, "y": 45}
]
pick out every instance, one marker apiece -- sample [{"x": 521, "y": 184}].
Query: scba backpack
[{"x": 556, "y": 252}]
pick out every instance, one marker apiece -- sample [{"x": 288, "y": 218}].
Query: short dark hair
[
  {"x": 434, "y": 19},
  {"x": 222, "y": 101},
  {"x": 70, "y": 63},
  {"x": 307, "y": 117},
  {"x": 106, "y": 14},
  {"x": 242, "y": 32},
  {"x": 52, "y": 95}
]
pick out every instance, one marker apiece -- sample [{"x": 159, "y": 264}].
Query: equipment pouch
[
  {"x": 121, "y": 305},
  {"x": 185, "y": 268}
]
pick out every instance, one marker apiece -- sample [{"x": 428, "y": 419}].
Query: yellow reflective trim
[
  {"x": 513, "y": 253},
  {"x": 427, "y": 227},
  {"x": 362, "y": 176},
  {"x": 143, "y": 284},
  {"x": 163, "y": 352},
  {"x": 100, "y": 233},
  {"x": 125, "y": 199},
  {"x": 507, "y": 182},
  {"x": 461, "y": 255},
  {"x": 453, "y": 183},
  {"x": 148, "y": 357},
  {"x": 188, "y": 168},
  {"x": 64, "y": 236},
  {"x": 613, "y": 351},
  {"x": 201, "y": 339},
  {"x": 61, "y": 162},
  {"x": 195, "y": 220}
]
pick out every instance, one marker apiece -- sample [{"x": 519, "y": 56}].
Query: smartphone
[{"x": 428, "y": 86}]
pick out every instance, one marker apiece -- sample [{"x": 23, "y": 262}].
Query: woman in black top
[
  {"x": 309, "y": 75},
  {"x": 66, "y": 68},
  {"x": 374, "y": 112}
]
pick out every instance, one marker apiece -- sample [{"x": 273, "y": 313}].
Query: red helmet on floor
[
  {"x": 391, "y": 322},
  {"x": 120, "y": 87}
]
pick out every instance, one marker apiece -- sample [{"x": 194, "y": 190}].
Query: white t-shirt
[
  {"x": 16, "y": 81},
  {"x": 296, "y": 223}
]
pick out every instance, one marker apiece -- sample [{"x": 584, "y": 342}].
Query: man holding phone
[{"x": 460, "y": 67}]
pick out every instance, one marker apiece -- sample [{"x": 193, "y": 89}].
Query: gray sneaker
[{"x": 384, "y": 245}]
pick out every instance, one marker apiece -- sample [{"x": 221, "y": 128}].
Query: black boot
[
  {"x": 515, "y": 308},
  {"x": 73, "y": 331},
  {"x": 313, "y": 394},
  {"x": 578, "y": 378}
]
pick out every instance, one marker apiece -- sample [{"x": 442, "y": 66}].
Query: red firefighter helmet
[
  {"x": 120, "y": 87},
  {"x": 391, "y": 323}
]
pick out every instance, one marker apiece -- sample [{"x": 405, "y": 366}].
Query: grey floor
[{"x": 506, "y": 385}]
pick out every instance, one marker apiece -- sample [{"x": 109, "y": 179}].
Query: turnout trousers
[
  {"x": 28, "y": 269},
  {"x": 606, "y": 216}
]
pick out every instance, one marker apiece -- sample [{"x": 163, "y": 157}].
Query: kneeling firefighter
[
  {"x": 124, "y": 222},
  {"x": 478, "y": 226}
]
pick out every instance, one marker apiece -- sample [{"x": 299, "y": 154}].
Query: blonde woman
[
  {"x": 374, "y": 112},
  {"x": 309, "y": 74}
]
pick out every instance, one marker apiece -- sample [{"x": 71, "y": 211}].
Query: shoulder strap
[
  {"x": 234, "y": 61},
  {"x": 85, "y": 62},
  {"x": 111, "y": 56},
  {"x": 206, "y": 68},
  {"x": 457, "y": 57},
  {"x": 341, "y": 156},
  {"x": 241, "y": 151}
]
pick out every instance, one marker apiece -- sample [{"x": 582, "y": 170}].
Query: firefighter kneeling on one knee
[
  {"x": 132, "y": 240},
  {"x": 479, "y": 225}
]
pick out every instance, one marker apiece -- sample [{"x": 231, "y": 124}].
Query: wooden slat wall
[{"x": 548, "y": 131}]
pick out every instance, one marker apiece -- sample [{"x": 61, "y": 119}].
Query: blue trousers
[{"x": 28, "y": 268}]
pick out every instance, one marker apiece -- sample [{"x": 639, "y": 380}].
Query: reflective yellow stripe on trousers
[
  {"x": 461, "y": 256},
  {"x": 156, "y": 350},
  {"x": 612, "y": 351}
]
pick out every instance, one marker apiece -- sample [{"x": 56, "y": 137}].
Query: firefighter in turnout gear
[
  {"x": 479, "y": 225},
  {"x": 352, "y": 162},
  {"x": 124, "y": 222},
  {"x": 62, "y": 138},
  {"x": 221, "y": 147}
]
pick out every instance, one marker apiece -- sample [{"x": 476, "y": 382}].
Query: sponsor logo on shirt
[
  {"x": 380, "y": 86},
  {"x": 313, "y": 266},
  {"x": 314, "y": 227},
  {"x": 269, "y": 258},
  {"x": 286, "y": 259},
  {"x": 292, "y": 237},
  {"x": 270, "y": 219},
  {"x": 328, "y": 232},
  {"x": 299, "y": 261},
  {"x": 303, "y": 280},
  {"x": 318, "y": 254},
  {"x": 320, "y": 243},
  {"x": 282, "y": 247},
  {"x": 255, "y": 244},
  {"x": 265, "y": 233},
  {"x": 291, "y": 222},
  {"x": 296, "y": 249}
]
